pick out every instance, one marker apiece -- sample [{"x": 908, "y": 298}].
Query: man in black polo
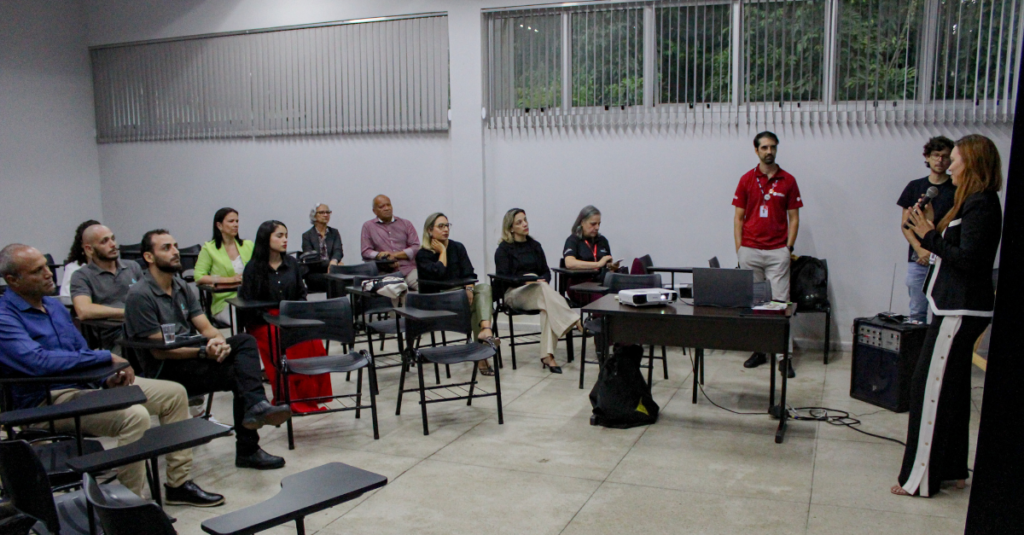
[
  {"x": 99, "y": 289},
  {"x": 161, "y": 299}
]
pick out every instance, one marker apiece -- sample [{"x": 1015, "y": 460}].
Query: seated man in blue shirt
[{"x": 37, "y": 337}]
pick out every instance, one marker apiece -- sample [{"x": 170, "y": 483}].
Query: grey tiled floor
[{"x": 699, "y": 469}]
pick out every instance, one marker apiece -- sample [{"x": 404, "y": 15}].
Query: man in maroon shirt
[
  {"x": 387, "y": 237},
  {"x": 767, "y": 218}
]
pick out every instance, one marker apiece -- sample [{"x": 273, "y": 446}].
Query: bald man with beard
[{"x": 99, "y": 289}]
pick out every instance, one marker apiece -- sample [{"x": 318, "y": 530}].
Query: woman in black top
[
  {"x": 324, "y": 240},
  {"x": 961, "y": 297},
  {"x": 274, "y": 275},
  {"x": 586, "y": 248},
  {"x": 442, "y": 259},
  {"x": 518, "y": 254}
]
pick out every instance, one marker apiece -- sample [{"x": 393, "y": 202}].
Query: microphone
[{"x": 932, "y": 193}]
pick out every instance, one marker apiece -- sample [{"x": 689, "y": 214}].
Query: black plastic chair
[
  {"x": 616, "y": 282},
  {"x": 645, "y": 266},
  {"x": 499, "y": 285},
  {"x": 28, "y": 487},
  {"x": 364, "y": 306},
  {"x": 124, "y": 513},
  {"x": 334, "y": 318},
  {"x": 189, "y": 257},
  {"x": 421, "y": 317},
  {"x": 825, "y": 309},
  {"x": 714, "y": 262}
]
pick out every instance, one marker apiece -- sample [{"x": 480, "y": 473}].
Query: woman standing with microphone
[{"x": 961, "y": 297}]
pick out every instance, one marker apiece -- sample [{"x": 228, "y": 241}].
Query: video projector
[{"x": 646, "y": 297}]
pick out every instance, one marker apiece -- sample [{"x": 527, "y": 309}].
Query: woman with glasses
[
  {"x": 442, "y": 259},
  {"x": 324, "y": 240},
  {"x": 222, "y": 260},
  {"x": 520, "y": 255},
  {"x": 274, "y": 275}
]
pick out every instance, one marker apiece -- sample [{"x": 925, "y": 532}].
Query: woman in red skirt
[{"x": 273, "y": 275}]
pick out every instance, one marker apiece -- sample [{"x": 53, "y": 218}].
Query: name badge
[{"x": 764, "y": 210}]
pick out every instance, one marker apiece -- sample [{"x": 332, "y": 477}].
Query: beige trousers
[
  {"x": 166, "y": 399},
  {"x": 556, "y": 318}
]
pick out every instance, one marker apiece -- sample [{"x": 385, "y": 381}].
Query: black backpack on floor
[{"x": 621, "y": 398}]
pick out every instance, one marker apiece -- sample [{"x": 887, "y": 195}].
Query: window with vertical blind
[
  {"x": 377, "y": 76},
  {"x": 754, "y": 62}
]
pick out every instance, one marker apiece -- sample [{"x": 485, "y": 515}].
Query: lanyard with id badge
[{"x": 765, "y": 196}]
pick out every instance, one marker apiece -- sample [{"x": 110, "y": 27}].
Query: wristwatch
[
  {"x": 202, "y": 352},
  {"x": 790, "y": 247}
]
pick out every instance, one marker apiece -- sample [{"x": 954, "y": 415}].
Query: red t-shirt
[{"x": 765, "y": 223}]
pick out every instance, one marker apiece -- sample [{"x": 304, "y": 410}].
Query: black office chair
[
  {"x": 644, "y": 265},
  {"x": 499, "y": 285},
  {"x": 28, "y": 487},
  {"x": 132, "y": 253},
  {"x": 714, "y": 262},
  {"x": 135, "y": 351},
  {"x": 823, "y": 308},
  {"x": 616, "y": 282},
  {"x": 335, "y": 316},
  {"x": 458, "y": 321},
  {"x": 189, "y": 257},
  {"x": 124, "y": 513}
]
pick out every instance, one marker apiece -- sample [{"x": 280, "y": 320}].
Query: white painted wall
[
  {"x": 49, "y": 173},
  {"x": 666, "y": 193}
]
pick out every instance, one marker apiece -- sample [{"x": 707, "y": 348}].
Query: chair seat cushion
[
  {"x": 472, "y": 352},
  {"x": 328, "y": 364},
  {"x": 386, "y": 326}
]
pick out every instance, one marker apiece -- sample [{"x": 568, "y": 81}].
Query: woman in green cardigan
[{"x": 223, "y": 259}]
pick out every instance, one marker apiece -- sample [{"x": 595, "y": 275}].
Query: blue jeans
[{"x": 916, "y": 274}]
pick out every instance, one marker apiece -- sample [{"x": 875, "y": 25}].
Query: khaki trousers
[
  {"x": 166, "y": 399},
  {"x": 556, "y": 318},
  {"x": 771, "y": 265}
]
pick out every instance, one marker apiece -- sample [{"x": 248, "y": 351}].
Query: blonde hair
[
  {"x": 427, "y": 227},
  {"x": 982, "y": 172},
  {"x": 506, "y": 224}
]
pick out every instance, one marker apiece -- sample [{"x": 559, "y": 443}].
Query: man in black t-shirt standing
[{"x": 936, "y": 153}]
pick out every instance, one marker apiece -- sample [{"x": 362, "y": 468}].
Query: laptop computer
[{"x": 728, "y": 288}]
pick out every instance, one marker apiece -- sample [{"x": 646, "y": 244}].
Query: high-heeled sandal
[
  {"x": 551, "y": 367},
  {"x": 488, "y": 371}
]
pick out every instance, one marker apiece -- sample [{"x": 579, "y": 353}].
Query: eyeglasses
[
  {"x": 443, "y": 226},
  {"x": 324, "y": 212}
]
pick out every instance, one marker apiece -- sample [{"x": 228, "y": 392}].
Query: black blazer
[
  {"x": 311, "y": 242},
  {"x": 960, "y": 282}
]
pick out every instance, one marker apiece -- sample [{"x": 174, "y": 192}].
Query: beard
[
  {"x": 107, "y": 258},
  {"x": 768, "y": 160},
  {"x": 168, "y": 267}
]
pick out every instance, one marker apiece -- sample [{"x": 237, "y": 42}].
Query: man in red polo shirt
[{"x": 767, "y": 218}]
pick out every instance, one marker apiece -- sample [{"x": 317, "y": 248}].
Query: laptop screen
[{"x": 723, "y": 287}]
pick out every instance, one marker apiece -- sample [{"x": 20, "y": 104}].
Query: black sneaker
[
  {"x": 787, "y": 366},
  {"x": 190, "y": 494},
  {"x": 263, "y": 413},
  {"x": 755, "y": 360},
  {"x": 260, "y": 460}
]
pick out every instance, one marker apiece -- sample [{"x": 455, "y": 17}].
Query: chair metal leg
[
  {"x": 401, "y": 385},
  {"x": 499, "y": 361},
  {"x": 423, "y": 396},
  {"x": 664, "y": 361},
  {"x": 437, "y": 374},
  {"x": 372, "y": 379},
  {"x": 569, "y": 352},
  {"x": 583, "y": 356},
  {"x": 472, "y": 385},
  {"x": 650, "y": 368},
  {"x": 300, "y": 526},
  {"x": 497, "y": 394},
  {"x": 702, "y": 366},
  {"x": 288, "y": 402},
  {"x": 359, "y": 392},
  {"x": 512, "y": 340},
  {"x": 209, "y": 406}
]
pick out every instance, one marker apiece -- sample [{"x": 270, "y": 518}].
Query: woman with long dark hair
[
  {"x": 222, "y": 259},
  {"x": 961, "y": 297},
  {"x": 77, "y": 257},
  {"x": 274, "y": 275}
]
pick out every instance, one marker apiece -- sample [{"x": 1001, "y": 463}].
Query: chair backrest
[
  {"x": 125, "y": 515},
  {"x": 335, "y": 313},
  {"x": 641, "y": 265},
  {"x": 362, "y": 271},
  {"x": 453, "y": 301},
  {"x": 189, "y": 256},
  {"x": 616, "y": 282},
  {"x": 714, "y": 262},
  {"x": 131, "y": 252},
  {"x": 25, "y": 481}
]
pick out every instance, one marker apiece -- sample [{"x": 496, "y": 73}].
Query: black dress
[{"x": 961, "y": 296}]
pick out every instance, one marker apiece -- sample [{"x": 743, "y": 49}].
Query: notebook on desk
[{"x": 733, "y": 288}]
